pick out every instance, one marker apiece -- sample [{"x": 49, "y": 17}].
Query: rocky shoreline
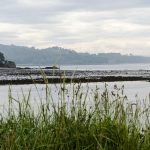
[{"x": 37, "y": 75}]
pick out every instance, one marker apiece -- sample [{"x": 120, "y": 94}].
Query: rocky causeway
[{"x": 38, "y": 75}]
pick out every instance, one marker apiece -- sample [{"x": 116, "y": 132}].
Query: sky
[{"x": 92, "y": 26}]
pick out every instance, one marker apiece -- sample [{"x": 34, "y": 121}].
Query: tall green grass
[{"x": 104, "y": 122}]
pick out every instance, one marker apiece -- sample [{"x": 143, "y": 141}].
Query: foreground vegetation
[{"x": 105, "y": 121}]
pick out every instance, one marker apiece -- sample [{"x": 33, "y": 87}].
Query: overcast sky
[{"x": 84, "y": 25}]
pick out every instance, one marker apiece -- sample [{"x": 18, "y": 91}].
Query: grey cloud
[
  {"x": 21, "y": 12},
  {"x": 75, "y": 22},
  {"x": 100, "y": 5},
  {"x": 5, "y": 35}
]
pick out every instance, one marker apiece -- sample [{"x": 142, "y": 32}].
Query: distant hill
[{"x": 57, "y": 55}]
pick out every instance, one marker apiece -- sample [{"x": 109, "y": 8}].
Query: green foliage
[
  {"x": 6, "y": 63},
  {"x": 107, "y": 124},
  {"x": 2, "y": 58}
]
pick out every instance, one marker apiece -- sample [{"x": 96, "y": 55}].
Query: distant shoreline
[
  {"x": 31, "y": 76},
  {"x": 70, "y": 80}
]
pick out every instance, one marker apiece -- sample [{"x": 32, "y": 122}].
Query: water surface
[
  {"x": 100, "y": 67},
  {"x": 135, "y": 91}
]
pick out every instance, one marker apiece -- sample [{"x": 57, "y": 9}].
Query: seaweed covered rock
[{"x": 5, "y": 63}]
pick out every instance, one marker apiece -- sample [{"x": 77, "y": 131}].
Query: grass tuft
[{"x": 105, "y": 122}]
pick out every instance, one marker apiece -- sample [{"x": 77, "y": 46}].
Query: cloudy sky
[{"x": 84, "y": 25}]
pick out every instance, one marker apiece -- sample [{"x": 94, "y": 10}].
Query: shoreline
[
  {"x": 31, "y": 76},
  {"x": 71, "y": 80}
]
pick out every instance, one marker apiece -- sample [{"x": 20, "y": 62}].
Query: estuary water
[
  {"x": 135, "y": 91},
  {"x": 108, "y": 67},
  {"x": 99, "y": 67}
]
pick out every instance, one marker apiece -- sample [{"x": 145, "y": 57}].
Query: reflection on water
[{"x": 133, "y": 90}]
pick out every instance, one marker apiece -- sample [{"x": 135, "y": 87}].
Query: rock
[
  {"x": 53, "y": 67},
  {"x": 27, "y": 68}
]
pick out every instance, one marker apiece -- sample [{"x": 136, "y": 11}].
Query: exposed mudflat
[{"x": 29, "y": 76}]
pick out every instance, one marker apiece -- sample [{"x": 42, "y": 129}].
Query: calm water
[
  {"x": 135, "y": 91},
  {"x": 101, "y": 67},
  {"x": 108, "y": 67}
]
